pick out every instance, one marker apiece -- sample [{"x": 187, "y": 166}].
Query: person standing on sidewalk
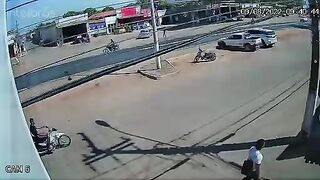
[
  {"x": 255, "y": 157},
  {"x": 164, "y": 33}
]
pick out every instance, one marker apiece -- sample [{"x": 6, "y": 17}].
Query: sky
[{"x": 46, "y": 9}]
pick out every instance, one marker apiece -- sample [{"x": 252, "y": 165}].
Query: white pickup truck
[{"x": 240, "y": 40}]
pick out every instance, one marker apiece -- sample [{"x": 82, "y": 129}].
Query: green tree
[
  {"x": 211, "y": 2},
  {"x": 108, "y": 8},
  {"x": 90, "y": 11},
  {"x": 163, "y": 4},
  {"x": 71, "y": 13},
  {"x": 143, "y": 1}
]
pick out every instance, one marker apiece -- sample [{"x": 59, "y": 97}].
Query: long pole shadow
[
  {"x": 120, "y": 148},
  {"x": 208, "y": 149},
  {"x": 308, "y": 147}
]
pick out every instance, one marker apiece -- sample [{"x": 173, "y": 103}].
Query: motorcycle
[
  {"x": 110, "y": 48},
  {"x": 53, "y": 141},
  {"x": 208, "y": 56}
]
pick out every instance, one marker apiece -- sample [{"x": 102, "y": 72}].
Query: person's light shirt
[{"x": 255, "y": 155}]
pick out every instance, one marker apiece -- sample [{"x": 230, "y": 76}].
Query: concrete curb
[
  {"x": 148, "y": 75},
  {"x": 157, "y": 77}
]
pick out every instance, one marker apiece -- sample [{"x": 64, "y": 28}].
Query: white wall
[
  {"x": 109, "y": 21},
  {"x": 16, "y": 143}
]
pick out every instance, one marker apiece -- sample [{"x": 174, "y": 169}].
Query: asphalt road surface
[{"x": 35, "y": 78}]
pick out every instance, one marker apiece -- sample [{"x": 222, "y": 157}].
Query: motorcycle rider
[
  {"x": 38, "y": 138},
  {"x": 112, "y": 44}
]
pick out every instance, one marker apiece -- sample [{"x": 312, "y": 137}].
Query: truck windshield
[
  {"x": 270, "y": 33},
  {"x": 246, "y": 36}
]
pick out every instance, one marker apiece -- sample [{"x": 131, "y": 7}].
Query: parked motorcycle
[
  {"x": 53, "y": 141},
  {"x": 203, "y": 55},
  {"x": 111, "y": 48}
]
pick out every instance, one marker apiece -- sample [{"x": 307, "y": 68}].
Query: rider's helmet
[{"x": 31, "y": 121}]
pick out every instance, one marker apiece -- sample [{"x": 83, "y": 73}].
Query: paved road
[{"x": 44, "y": 75}]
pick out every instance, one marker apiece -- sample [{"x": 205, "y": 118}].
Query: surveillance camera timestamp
[{"x": 272, "y": 11}]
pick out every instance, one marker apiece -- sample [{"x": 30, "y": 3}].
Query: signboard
[
  {"x": 129, "y": 11},
  {"x": 146, "y": 12},
  {"x": 111, "y": 20},
  {"x": 11, "y": 39},
  {"x": 96, "y": 26},
  {"x": 161, "y": 13}
]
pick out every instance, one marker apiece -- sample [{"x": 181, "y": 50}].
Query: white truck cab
[{"x": 241, "y": 40}]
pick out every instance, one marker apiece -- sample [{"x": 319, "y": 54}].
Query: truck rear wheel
[
  {"x": 249, "y": 48},
  {"x": 264, "y": 43},
  {"x": 222, "y": 44}
]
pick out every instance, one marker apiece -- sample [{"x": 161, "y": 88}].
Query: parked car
[
  {"x": 240, "y": 18},
  {"x": 144, "y": 33},
  {"x": 268, "y": 37},
  {"x": 240, "y": 40},
  {"x": 304, "y": 19}
]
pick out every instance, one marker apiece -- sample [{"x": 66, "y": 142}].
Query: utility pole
[
  {"x": 230, "y": 14},
  {"x": 155, "y": 33},
  {"x": 17, "y": 27},
  {"x": 312, "y": 99}
]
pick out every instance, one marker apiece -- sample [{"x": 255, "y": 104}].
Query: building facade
[{"x": 62, "y": 30}]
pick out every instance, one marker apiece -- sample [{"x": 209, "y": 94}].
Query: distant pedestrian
[
  {"x": 22, "y": 46},
  {"x": 164, "y": 33},
  {"x": 252, "y": 166}
]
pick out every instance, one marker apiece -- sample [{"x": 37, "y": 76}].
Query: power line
[
  {"x": 61, "y": 16},
  {"x": 20, "y": 5},
  {"x": 126, "y": 2}
]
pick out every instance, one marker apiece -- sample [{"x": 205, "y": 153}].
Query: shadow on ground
[
  {"x": 307, "y": 148},
  {"x": 297, "y": 147},
  {"x": 232, "y": 49}
]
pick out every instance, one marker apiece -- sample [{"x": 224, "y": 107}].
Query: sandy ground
[{"x": 185, "y": 108}]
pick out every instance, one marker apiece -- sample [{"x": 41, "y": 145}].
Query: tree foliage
[
  {"x": 108, "y": 8},
  {"x": 71, "y": 13},
  {"x": 163, "y": 4},
  {"x": 90, "y": 11}
]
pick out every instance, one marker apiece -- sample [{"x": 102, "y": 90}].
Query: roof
[
  {"x": 102, "y": 15},
  {"x": 241, "y": 33},
  {"x": 261, "y": 29},
  {"x": 97, "y": 21}
]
